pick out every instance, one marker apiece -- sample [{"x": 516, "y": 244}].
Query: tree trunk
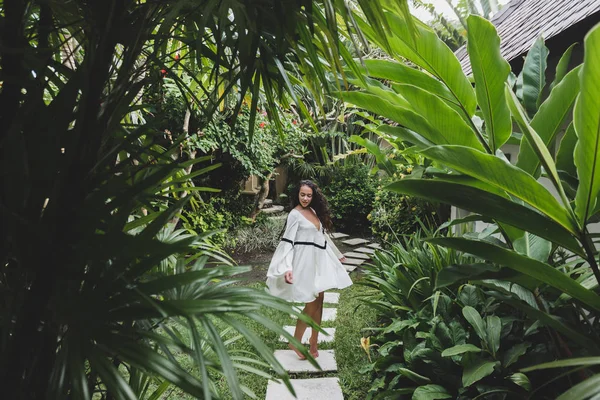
[{"x": 187, "y": 170}]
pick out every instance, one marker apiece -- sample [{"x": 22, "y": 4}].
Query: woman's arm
[{"x": 281, "y": 263}]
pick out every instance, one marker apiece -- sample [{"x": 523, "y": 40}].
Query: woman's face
[{"x": 305, "y": 196}]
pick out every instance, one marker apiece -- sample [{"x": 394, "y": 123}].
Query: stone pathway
[{"x": 327, "y": 388}]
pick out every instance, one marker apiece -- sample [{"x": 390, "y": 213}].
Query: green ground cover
[{"x": 350, "y": 357}]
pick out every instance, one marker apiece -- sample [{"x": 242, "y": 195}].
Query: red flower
[
  {"x": 163, "y": 72},
  {"x": 262, "y": 124},
  {"x": 294, "y": 122},
  {"x": 177, "y": 56}
]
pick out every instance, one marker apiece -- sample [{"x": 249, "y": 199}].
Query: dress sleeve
[
  {"x": 284, "y": 254},
  {"x": 337, "y": 252}
]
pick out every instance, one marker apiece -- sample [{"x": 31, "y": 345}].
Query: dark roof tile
[{"x": 520, "y": 22}]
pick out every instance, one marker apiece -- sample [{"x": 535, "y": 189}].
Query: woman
[{"x": 306, "y": 262}]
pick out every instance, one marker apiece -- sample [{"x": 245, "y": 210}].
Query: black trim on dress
[{"x": 305, "y": 243}]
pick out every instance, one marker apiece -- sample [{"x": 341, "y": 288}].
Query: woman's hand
[
  {"x": 343, "y": 259},
  {"x": 288, "y": 277}
]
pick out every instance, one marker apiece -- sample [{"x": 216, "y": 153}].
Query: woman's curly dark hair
[{"x": 318, "y": 203}]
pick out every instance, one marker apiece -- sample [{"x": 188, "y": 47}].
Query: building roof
[{"x": 521, "y": 22}]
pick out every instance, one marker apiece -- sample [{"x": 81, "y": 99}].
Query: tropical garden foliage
[
  {"x": 538, "y": 250},
  {"x": 97, "y": 282},
  {"x": 127, "y": 127}
]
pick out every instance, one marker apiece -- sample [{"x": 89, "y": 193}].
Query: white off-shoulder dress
[{"x": 313, "y": 258}]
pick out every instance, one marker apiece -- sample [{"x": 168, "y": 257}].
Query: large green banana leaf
[
  {"x": 587, "y": 127},
  {"x": 503, "y": 175},
  {"x": 490, "y": 71},
  {"x": 536, "y": 269},
  {"x": 534, "y": 75},
  {"x": 549, "y": 120},
  {"x": 479, "y": 200},
  {"x": 429, "y": 53}
]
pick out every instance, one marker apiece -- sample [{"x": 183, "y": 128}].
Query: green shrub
[
  {"x": 394, "y": 215},
  {"x": 264, "y": 235},
  {"x": 437, "y": 335},
  {"x": 351, "y": 192},
  {"x": 219, "y": 213}
]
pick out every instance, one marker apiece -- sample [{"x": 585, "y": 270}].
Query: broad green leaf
[
  {"x": 484, "y": 202},
  {"x": 563, "y": 66},
  {"x": 440, "y": 116},
  {"x": 431, "y": 392},
  {"x": 397, "y": 72},
  {"x": 570, "y": 362},
  {"x": 528, "y": 266},
  {"x": 473, "y": 317},
  {"x": 587, "y": 127},
  {"x": 533, "y": 246},
  {"x": 507, "y": 285},
  {"x": 413, "y": 376},
  {"x": 475, "y": 369},
  {"x": 497, "y": 172},
  {"x": 537, "y": 144},
  {"x": 456, "y": 273},
  {"x": 490, "y": 71},
  {"x": 549, "y": 320},
  {"x": 405, "y": 135},
  {"x": 549, "y": 120},
  {"x": 564, "y": 158},
  {"x": 493, "y": 327},
  {"x": 512, "y": 355},
  {"x": 402, "y": 115},
  {"x": 469, "y": 296},
  {"x": 460, "y": 349},
  {"x": 584, "y": 390},
  {"x": 534, "y": 75},
  {"x": 465, "y": 220},
  {"x": 377, "y": 88},
  {"x": 429, "y": 53},
  {"x": 521, "y": 380}
]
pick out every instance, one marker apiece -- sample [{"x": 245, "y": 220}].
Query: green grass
[{"x": 351, "y": 319}]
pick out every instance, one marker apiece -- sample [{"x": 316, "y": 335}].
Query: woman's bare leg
[
  {"x": 316, "y": 316},
  {"x": 301, "y": 327}
]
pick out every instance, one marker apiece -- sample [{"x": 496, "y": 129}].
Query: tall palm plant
[{"x": 87, "y": 185}]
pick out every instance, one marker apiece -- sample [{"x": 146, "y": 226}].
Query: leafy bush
[
  {"x": 263, "y": 235},
  {"x": 437, "y": 336},
  {"x": 463, "y": 129},
  {"x": 350, "y": 192},
  {"x": 394, "y": 215},
  {"x": 258, "y": 151},
  {"x": 223, "y": 214}
]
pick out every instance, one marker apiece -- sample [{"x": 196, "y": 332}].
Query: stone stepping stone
[
  {"x": 273, "y": 210},
  {"x": 338, "y": 235},
  {"x": 349, "y": 268},
  {"x": 353, "y": 261},
  {"x": 321, "y": 339},
  {"x": 329, "y": 314},
  {"x": 352, "y": 254},
  {"x": 365, "y": 250},
  {"x": 331, "y": 298},
  {"x": 290, "y": 362},
  {"x": 355, "y": 242},
  {"x": 276, "y": 217},
  {"x": 306, "y": 389},
  {"x": 374, "y": 246}
]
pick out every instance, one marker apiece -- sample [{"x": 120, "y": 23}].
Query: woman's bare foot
[
  {"x": 300, "y": 355},
  {"x": 314, "y": 351}
]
